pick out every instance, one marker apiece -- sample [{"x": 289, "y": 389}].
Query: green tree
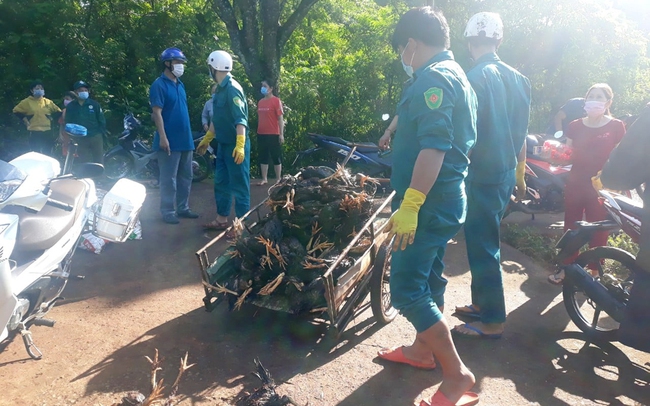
[{"x": 259, "y": 31}]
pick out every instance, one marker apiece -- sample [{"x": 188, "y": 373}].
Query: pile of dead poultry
[{"x": 281, "y": 260}]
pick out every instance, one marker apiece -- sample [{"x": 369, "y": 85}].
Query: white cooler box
[{"x": 118, "y": 212}]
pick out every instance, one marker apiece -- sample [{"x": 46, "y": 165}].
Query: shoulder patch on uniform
[
  {"x": 433, "y": 97},
  {"x": 238, "y": 102}
]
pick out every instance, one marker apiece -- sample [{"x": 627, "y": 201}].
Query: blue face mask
[
  {"x": 264, "y": 90},
  {"x": 39, "y": 93},
  {"x": 83, "y": 95},
  {"x": 407, "y": 68}
]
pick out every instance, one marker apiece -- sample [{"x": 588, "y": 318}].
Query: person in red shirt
[
  {"x": 270, "y": 132},
  {"x": 592, "y": 138},
  {"x": 64, "y": 138}
]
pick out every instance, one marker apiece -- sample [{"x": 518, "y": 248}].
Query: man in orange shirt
[{"x": 270, "y": 132}]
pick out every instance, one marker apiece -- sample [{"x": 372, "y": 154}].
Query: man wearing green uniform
[
  {"x": 435, "y": 131},
  {"x": 229, "y": 127},
  {"x": 498, "y": 162},
  {"x": 88, "y": 113}
]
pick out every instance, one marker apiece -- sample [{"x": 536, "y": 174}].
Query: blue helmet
[{"x": 171, "y": 54}]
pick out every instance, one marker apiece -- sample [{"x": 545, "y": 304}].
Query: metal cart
[{"x": 369, "y": 273}]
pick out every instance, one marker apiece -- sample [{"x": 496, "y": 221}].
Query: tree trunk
[{"x": 257, "y": 36}]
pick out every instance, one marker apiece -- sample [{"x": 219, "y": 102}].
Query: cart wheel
[{"x": 380, "y": 302}]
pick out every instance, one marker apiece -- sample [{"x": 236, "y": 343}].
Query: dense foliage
[{"x": 337, "y": 72}]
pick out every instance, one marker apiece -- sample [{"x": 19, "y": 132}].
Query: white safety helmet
[
  {"x": 220, "y": 61},
  {"x": 488, "y": 25}
]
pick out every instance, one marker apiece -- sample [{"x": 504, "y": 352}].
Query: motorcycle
[
  {"x": 596, "y": 301},
  {"x": 364, "y": 157},
  {"x": 43, "y": 213},
  {"x": 132, "y": 157},
  {"x": 544, "y": 183}
]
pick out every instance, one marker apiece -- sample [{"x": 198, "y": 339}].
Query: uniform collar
[
  {"x": 225, "y": 81},
  {"x": 489, "y": 57},
  {"x": 439, "y": 57}
]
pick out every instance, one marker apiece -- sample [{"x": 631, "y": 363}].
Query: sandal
[
  {"x": 557, "y": 278},
  {"x": 215, "y": 225}
]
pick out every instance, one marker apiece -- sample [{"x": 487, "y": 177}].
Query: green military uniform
[
  {"x": 437, "y": 111},
  {"x": 503, "y": 112},
  {"x": 90, "y": 115},
  {"x": 230, "y": 110}
]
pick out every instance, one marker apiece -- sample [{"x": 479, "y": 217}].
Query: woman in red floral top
[{"x": 592, "y": 138}]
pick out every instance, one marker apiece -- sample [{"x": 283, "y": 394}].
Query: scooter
[
  {"x": 364, "y": 157},
  {"x": 42, "y": 216},
  {"x": 132, "y": 157},
  {"x": 544, "y": 183},
  {"x": 596, "y": 301}
]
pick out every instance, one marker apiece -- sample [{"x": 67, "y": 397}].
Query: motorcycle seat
[
  {"x": 40, "y": 231},
  {"x": 629, "y": 207},
  {"x": 361, "y": 146},
  {"x": 364, "y": 146}
]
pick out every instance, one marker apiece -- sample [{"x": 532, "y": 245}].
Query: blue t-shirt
[
  {"x": 573, "y": 109},
  {"x": 171, "y": 97},
  {"x": 229, "y": 110},
  {"x": 437, "y": 111},
  {"x": 502, "y": 120}
]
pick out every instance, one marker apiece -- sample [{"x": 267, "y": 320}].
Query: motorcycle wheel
[
  {"x": 587, "y": 316},
  {"x": 380, "y": 301},
  {"x": 200, "y": 167},
  {"x": 118, "y": 166}
]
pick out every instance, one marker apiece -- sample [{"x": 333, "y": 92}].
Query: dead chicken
[
  {"x": 265, "y": 395},
  {"x": 156, "y": 396}
]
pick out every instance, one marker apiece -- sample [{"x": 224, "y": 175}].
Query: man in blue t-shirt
[
  {"x": 572, "y": 110},
  {"x": 173, "y": 138}
]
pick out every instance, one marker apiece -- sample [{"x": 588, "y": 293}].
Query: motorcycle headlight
[{"x": 8, "y": 187}]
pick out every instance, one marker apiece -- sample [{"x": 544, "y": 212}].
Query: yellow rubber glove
[
  {"x": 203, "y": 145},
  {"x": 405, "y": 220},
  {"x": 596, "y": 183},
  {"x": 238, "y": 152},
  {"x": 520, "y": 176}
]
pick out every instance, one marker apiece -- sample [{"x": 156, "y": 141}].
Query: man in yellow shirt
[{"x": 36, "y": 113}]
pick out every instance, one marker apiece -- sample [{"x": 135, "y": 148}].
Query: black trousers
[
  {"x": 268, "y": 146},
  {"x": 41, "y": 141}
]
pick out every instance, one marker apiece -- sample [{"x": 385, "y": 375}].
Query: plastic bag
[
  {"x": 555, "y": 152},
  {"x": 136, "y": 234},
  {"x": 92, "y": 243}
]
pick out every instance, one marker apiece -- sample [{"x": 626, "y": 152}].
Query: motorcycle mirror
[
  {"x": 558, "y": 135},
  {"x": 88, "y": 170},
  {"x": 385, "y": 117}
]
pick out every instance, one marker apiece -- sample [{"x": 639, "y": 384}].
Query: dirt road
[{"x": 146, "y": 294}]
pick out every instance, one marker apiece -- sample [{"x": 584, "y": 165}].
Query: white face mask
[
  {"x": 595, "y": 108},
  {"x": 178, "y": 70},
  {"x": 407, "y": 68}
]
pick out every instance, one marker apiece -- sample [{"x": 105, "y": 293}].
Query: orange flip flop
[
  {"x": 397, "y": 355},
  {"x": 439, "y": 399}
]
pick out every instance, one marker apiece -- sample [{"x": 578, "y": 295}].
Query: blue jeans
[
  {"x": 175, "y": 180},
  {"x": 486, "y": 204},
  {"x": 416, "y": 283},
  {"x": 232, "y": 180}
]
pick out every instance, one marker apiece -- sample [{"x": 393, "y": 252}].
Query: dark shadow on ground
[
  {"x": 223, "y": 346},
  {"x": 163, "y": 259},
  {"x": 534, "y": 353}
]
